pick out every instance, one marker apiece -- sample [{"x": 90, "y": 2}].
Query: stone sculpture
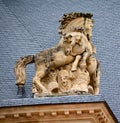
[{"x": 68, "y": 68}]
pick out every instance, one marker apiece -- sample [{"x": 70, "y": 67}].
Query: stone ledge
[{"x": 51, "y": 100}]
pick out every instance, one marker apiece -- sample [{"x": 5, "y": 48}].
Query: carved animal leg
[
  {"x": 96, "y": 90},
  {"x": 96, "y": 85},
  {"x": 93, "y": 68},
  {"x": 97, "y": 79},
  {"x": 75, "y": 63},
  {"x": 83, "y": 60},
  {"x": 37, "y": 81}
]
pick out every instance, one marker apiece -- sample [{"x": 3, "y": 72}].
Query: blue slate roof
[
  {"x": 28, "y": 26},
  {"x": 51, "y": 100}
]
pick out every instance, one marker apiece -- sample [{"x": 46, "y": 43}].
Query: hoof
[{"x": 21, "y": 91}]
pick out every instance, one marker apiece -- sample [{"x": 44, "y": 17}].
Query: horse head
[{"x": 74, "y": 43}]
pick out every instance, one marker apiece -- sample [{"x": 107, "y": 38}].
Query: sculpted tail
[{"x": 19, "y": 69}]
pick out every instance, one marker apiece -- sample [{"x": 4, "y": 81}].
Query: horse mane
[{"x": 73, "y": 21}]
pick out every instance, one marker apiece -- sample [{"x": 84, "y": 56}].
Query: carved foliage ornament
[{"x": 68, "y": 68}]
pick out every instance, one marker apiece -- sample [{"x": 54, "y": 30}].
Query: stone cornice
[
  {"x": 83, "y": 112},
  {"x": 74, "y": 112}
]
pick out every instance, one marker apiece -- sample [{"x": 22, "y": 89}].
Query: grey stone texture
[
  {"x": 51, "y": 100},
  {"x": 29, "y": 26}
]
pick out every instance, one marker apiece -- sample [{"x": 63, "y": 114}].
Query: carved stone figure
[
  {"x": 67, "y": 68},
  {"x": 64, "y": 81}
]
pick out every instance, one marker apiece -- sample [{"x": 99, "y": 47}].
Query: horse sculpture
[{"x": 74, "y": 43}]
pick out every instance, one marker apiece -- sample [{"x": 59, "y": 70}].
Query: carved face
[{"x": 64, "y": 80}]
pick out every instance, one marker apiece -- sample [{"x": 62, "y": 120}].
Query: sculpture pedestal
[{"x": 72, "y": 109}]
